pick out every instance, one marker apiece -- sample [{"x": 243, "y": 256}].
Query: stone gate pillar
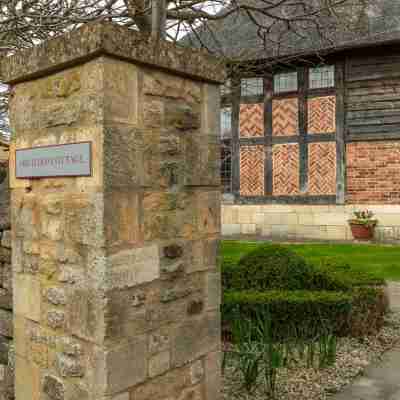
[{"x": 116, "y": 288}]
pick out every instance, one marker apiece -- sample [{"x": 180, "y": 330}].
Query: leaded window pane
[
  {"x": 322, "y": 77},
  {"x": 286, "y": 82},
  {"x": 226, "y": 122},
  {"x": 226, "y": 167},
  {"x": 252, "y": 86}
]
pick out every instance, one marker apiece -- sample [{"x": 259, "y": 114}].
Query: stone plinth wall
[
  {"x": 304, "y": 222},
  {"x": 6, "y": 317}
]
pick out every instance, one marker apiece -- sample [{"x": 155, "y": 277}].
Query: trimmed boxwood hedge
[
  {"x": 292, "y": 313},
  {"x": 271, "y": 267},
  {"x": 353, "y": 278},
  {"x": 303, "y": 299}
]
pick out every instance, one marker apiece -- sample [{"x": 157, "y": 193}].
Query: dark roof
[{"x": 236, "y": 36}]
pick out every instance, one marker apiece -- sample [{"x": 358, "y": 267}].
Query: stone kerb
[{"x": 116, "y": 286}]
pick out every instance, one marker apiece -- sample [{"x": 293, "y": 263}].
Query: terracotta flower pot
[{"x": 362, "y": 232}]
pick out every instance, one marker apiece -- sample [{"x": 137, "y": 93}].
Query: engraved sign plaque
[{"x": 74, "y": 159}]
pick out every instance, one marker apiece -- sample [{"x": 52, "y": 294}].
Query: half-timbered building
[{"x": 312, "y": 135}]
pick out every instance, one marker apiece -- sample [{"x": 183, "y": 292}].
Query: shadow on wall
[
  {"x": 6, "y": 318},
  {"x": 4, "y": 197}
]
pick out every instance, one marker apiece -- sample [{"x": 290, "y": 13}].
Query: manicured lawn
[{"x": 383, "y": 260}]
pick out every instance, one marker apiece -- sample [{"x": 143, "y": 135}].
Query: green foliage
[
  {"x": 292, "y": 313},
  {"x": 365, "y": 217},
  {"x": 271, "y": 267},
  {"x": 340, "y": 270},
  {"x": 304, "y": 300},
  {"x": 275, "y": 267},
  {"x": 281, "y": 308},
  {"x": 258, "y": 356},
  {"x": 248, "y": 354},
  {"x": 378, "y": 259},
  {"x": 370, "y": 305}
]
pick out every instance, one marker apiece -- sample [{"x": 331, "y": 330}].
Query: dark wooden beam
[
  {"x": 378, "y": 130},
  {"x": 313, "y": 138},
  {"x": 235, "y": 136},
  {"x": 303, "y": 85},
  {"x": 268, "y": 164},
  {"x": 252, "y": 99},
  {"x": 340, "y": 134},
  {"x": 321, "y": 92},
  {"x": 252, "y": 141},
  {"x": 321, "y": 137},
  {"x": 303, "y": 200},
  {"x": 378, "y": 136}
]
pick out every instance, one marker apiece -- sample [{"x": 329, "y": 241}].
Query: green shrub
[
  {"x": 275, "y": 267},
  {"x": 341, "y": 270},
  {"x": 370, "y": 305},
  {"x": 228, "y": 273},
  {"x": 303, "y": 299},
  {"x": 292, "y": 313},
  {"x": 272, "y": 267}
]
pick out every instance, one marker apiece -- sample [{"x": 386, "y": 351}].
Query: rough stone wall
[
  {"x": 373, "y": 172},
  {"x": 6, "y": 319},
  {"x": 305, "y": 222},
  {"x": 116, "y": 282}
]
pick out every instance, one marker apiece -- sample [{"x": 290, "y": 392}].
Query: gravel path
[{"x": 353, "y": 358}]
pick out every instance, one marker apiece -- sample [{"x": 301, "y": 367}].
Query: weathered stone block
[
  {"x": 123, "y": 159},
  {"x": 159, "y": 342},
  {"x": 5, "y": 344},
  {"x": 56, "y": 296},
  {"x": 39, "y": 354},
  {"x": 192, "y": 393},
  {"x": 230, "y": 229},
  {"x": 121, "y": 85},
  {"x": 197, "y": 372},
  {"x": 209, "y": 212},
  {"x": 20, "y": 336},
  {"x": 69, "y": 366},
  {"x": 84, "y": 218},
  {"x": 27, "y": 297},
  {"x": 182, "y": 116},
  {"x": 167, "y": 387},
  {"x": 85, "y": 315},
  {"x": 195, "y": 338},
  {"x": 127, "y": 365},
  {"x": 55, "y": 319},
  {"x": 5, "y": 255},
  {"x": 6, "y": 323},
  {"x": 130, "y": 268},
  {"x": 53, "y": 388},
  {"x": 212, "y": 367},
  {"x": 27, "y": 380},
  {"x": 213, "y": 291},
  {"x": 6, "y": 299},
  {"x": 159, "y": 363},
  {"x": 6, "y": 239}
]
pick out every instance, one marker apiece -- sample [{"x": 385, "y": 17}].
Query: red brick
[{"x": 373, "y": 172}]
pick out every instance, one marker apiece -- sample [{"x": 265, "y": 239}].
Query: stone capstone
[{"x": 110, "y": 39}]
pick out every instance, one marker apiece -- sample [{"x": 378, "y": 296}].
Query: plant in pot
[{"x": 363, "y": 225}]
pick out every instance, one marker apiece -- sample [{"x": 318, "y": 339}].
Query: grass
[{"x": 383, "y": 260}]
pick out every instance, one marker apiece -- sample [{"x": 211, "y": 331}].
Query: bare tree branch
[{"x": 274, "y": 24}]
